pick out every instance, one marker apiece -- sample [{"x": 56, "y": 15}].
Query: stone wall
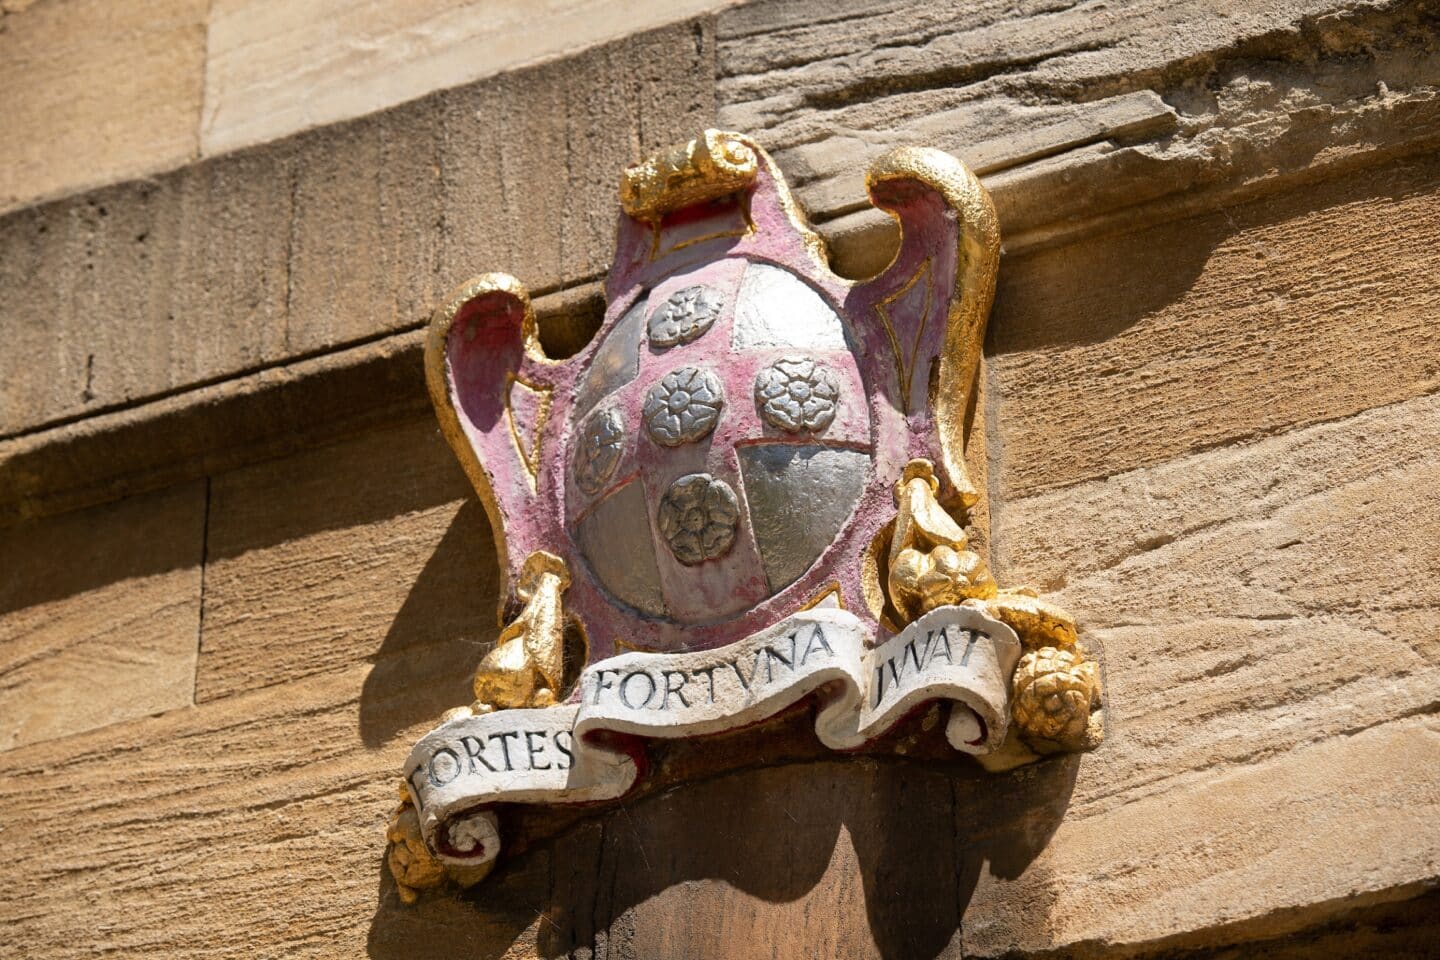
[{"x": 242, "y": 571}]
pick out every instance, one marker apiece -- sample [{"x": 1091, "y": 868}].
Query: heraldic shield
[{"x": 748, "y": 489}]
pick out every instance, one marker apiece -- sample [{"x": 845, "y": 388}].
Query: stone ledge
[
  {"x": 259, "y": 416},
  {"x": 291, "y": 405},
  {"x": 334, "y": 237},
  {"x": 99, "y": 92},
  {"x": 347, "y": 233}
]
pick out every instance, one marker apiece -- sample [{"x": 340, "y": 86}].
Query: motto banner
[{"x": 568, "y": 753}]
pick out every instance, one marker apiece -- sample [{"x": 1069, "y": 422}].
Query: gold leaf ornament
[{"x": 1053, "y": 694}]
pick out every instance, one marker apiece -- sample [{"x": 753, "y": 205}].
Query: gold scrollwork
[
  {"x": 1055, "y": 690},
  {"x": 525, "y": 669},
  {"x": 710, "y": 166},
  {"x": 412, "y": 864}
]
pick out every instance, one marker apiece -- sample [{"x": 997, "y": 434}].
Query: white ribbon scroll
[{"x": 553, "y": 754}]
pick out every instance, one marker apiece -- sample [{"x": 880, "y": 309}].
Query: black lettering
[
  {"x": 912, "y": 653},
  {"x": 684, "y": 679},
  {"x": 504, "y": 746},
  {"x": 771, "y": 655},
  {"x": 710, "y": 676},
  {"x": 454, "y": 763},
  {"x": 735, "y": 665},
  {"x": 473, "y": 749},
  {"x": 816, "y": 635},
  {"x": 625, "y": 687},
  {"x": 942, "y": 647},
  {"x": 896, "y": 671},
  {"x": 601, "y": 684},
  {"x": 564, "y": 747},
  {"x": 535, "y": 751},
  {"x": 969, "y": 646}
]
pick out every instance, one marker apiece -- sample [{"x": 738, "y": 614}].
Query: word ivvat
[
  {"x": 547, "y": 755},
  {"x": 908, "y": 666}
]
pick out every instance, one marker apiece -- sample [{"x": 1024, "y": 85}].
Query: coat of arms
[{"x": 748, "y": 490}]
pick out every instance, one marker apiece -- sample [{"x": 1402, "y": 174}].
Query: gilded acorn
[
  {"x": 411, "y": 862},
  {"x": 1053, "y": 692}
]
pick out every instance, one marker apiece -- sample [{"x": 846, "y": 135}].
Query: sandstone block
[
  {"x": 277, "y": 68},
  {"x": 1251, "y": 600},
  {"x": 1129, "y": 349},
  {"x": 261, "y": 257},
  {"x": 100, "y": 615},
  {"x": 373, "y": 549},
  {"x": 97, "y": 92},
  {"x": 1259, "y": 851}
]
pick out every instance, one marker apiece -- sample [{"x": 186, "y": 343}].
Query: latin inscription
[
  {"x": 918, "y": 655},
  {"x": 661, "y": 689},
  {"x": 953, "y": 653},
  {"x": 508, "y": 751}
]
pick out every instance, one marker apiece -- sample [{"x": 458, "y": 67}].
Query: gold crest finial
[{"x": 710, "y": 166}]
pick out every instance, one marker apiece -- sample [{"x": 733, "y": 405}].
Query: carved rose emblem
[
  {"x": 599, "y": 449},
  {"x": 684, "y": 316},
  {"x": 796, "y": 393},
  {"x": 698, "y": 517},
  {"x": 684, "y": 406}
]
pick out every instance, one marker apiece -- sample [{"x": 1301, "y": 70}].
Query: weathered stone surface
[
  {"x": 371, "y": 549},
  {"x": 292, "y": 823},
  {"x": 270, "y": 255},
  {"x": 1128, "y": 349},
  {"x": 308, "y": 236},
  {"x": 100, "y": 615},
  {"x": 179, "y": 833},
  {"x": 1398, "y": 930},
  {"x": 137, "y": 290},
  {"x": 1286, "y": 88},
  {"x": 1264, "y": 595},
  {"x": 96, "y": 92},
  {"x": 1261, "y": 726},
  {"x": 266, "y": 414},
  {"x": 275, "y": 68},
  {"x": 1335, "y": 518},
  {"x": 1265, "y": 849},
  {"x": 366, "y": 227},
  {"x": 263, "y": 415},
  {"x": 1256, "y": 601},
  {"x": 531, "y": 160}
]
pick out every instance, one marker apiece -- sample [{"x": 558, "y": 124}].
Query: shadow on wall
[
  {"x": 858, "y": 856},
  {"x": 445, "y": 626},
  {"x": 1097, "y": 288}
]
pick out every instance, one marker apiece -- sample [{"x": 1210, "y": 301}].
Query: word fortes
[
  {"x": 643, "y": 688},
  {"x": 522, "y": 750}
]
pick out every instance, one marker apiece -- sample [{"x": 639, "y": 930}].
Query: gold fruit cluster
[{"x": 1055, "y": 690}]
